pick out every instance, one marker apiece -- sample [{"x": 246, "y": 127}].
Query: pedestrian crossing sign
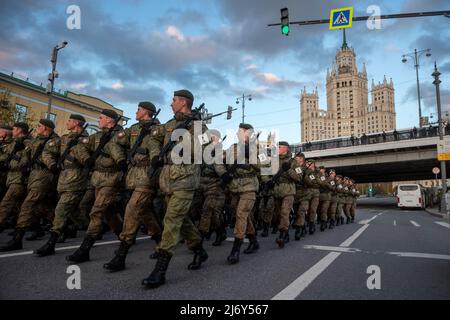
[{"x": 341, "y": 18}]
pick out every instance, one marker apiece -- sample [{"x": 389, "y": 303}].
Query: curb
[{"x": 436, "y": 214}]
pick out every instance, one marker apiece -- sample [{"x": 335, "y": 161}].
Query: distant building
[
  {"x": 348, "y": 111},
  {"x": 31, "y": 100}
]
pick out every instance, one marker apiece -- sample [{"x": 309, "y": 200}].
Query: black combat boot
[
  {"x": 331, "y": 225},
  {"x": 49, "y": 247},
  {"x": 200, "y": 256},
  {"x": 286, "y": 237},
  {"x": 118, "y": 262},
  {"x": 3, "y": 227},
  {"x": 353, "y": 220},
  {"x": 37, "y": 233},
  {"x": 221, "y": 236},
  {"x": 158, "y": 275},
  {"x": 298, "y": 233},
  {"x": 82, "y": 253},
  {"x": 348, "y": 220},
  {"x": 253, "y": 246},
  {"x": 265, "y": 232},
  {"x": 342, "y": 220},
  {"x": 323, "y": 225},
  {"x": 281, "y": 239},
  {"x": 274, "y": 229},
  {"x": 234, "y": 255},
  {"x": 312, "y": 228},
  {"x": 15, "y": 243}
]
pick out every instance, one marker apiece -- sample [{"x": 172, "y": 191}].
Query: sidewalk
[{"x": 435, "y": 212}]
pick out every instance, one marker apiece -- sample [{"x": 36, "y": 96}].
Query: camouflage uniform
[
  {"x": 15, "y": 180},
  {"x": 72, "y": 183},
  {"x": 333, "y": 202},
  {"x": 4, "y": 144},
  {"x": 266, "y": 206},
  {"x": 355, "y": 196},
  {"x": 301, "y": 199},
  {"x": 340, "y": 200},
  {"x": 348, "y": 200}
]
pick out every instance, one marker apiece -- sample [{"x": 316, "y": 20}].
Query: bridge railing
[{"x": 380, "y": 137}]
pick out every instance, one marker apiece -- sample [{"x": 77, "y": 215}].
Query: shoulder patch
[
  {"x": 121, "y": 134},
  {"x": 299, "y": 170},
  {"x": 85, "y": 140},
  {"x": 51, "y": 143},
  {"x": 322, "y": 178}
]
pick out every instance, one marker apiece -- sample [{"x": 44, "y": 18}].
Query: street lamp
[
  {"x": 416, "y": 55},
  {"x": 52, "y": 76},
  {"x": 243, "y": 98}
]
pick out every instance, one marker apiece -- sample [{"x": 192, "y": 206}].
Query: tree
[{"x": 8, "y": 110}]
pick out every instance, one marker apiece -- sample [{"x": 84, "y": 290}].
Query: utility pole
[
  {"x": 52, "y": 76},
  {"x": 436, "y": 83}
]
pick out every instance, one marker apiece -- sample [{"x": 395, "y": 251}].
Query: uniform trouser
[
  {"x": 300, "y": 215},
  {"x": 177, "y": 222},
  {"x": 313, "y": 205},
  {"x": 104, "y": 197},
  {"x": 87, "y": 202},
  {"x": 254, "y": 215},
  {"x": 283, "y": 207},
  {"x": 212, "y": 212},
  {"x": 67, "y": 208},
  {"x": 347, "y": 207},
  {"x": 353, "y": 209},
  {"x": 267, "y": 208},
  {"x": 323, "y": 209},
  {"x": 243, "y": 204},
  {"x": 340, "y": 208},
  {"x": 139, "y": 209},
  {"x": 332, "y": 210},
  {"x": 11, "y": 201},
  {"x": 33, "y": 207}
]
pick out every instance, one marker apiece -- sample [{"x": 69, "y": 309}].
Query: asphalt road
[{"x": 409, "y": 249}]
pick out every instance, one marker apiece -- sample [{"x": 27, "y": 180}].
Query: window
[
  {"x": 21, "y": 113},
  {"x": 52, "y": 117}
]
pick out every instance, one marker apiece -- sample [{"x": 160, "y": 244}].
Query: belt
[{"x": 107, "y": 170}]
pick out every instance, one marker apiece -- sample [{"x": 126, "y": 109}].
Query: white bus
[{"x": 411, "y": 196}]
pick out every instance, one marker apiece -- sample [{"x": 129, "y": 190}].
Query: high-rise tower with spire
[{"x": 348, "y": 111}]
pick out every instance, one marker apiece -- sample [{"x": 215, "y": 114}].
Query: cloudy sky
[{"x": 135, "y": 50}]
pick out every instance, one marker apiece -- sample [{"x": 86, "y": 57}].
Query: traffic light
[
  {"x": 230, "y": 110},
  {"x": 285, "y": 21}
]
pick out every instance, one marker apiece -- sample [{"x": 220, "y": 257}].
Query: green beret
[
  {"x": 22, "y": 125},
  {"x": 331, "y": 171},
  {"x": 47, "y": 123},
  {"x": 321, "y": 167},
  {"x": 78, "y": 117},
  {"x": 339, "y": 176},
  {"x": 300, "y": 155},
  {"x": 148, "y": 106},
  {"x": 185, "y": 94},
  {"x": 311, "y": 161},
  {"x": 5, "y": 127},
  {"x": 245, "y": 126},
  {"x": 283, "y": 143},
  {"x": 110, "y": 113}
]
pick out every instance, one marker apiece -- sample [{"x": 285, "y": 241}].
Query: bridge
[{"x": 409, "y": 155}]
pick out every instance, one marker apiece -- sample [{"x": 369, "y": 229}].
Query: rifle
[
  {"x": 72, "y": 143},
  {"x": 144, "y": 131},
  {"x": 38, "y": 153},
  {"x": 104, "y": 139},
  {"x": 271, "y": 183},
  {"x": 186, "y": 124}
]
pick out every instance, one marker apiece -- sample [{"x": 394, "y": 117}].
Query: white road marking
[
  {"x": 331, "y": 248},
  {"x": 303, "y": 281},
  {"x": 415, "y": 224},
  {"x": 420, "y": 255},
  {"x": 231, "y": 239},
  {"x": 66, "y": 248},
  {"x": 444, "y": 224},
  {"x": 395, "y": 223}
]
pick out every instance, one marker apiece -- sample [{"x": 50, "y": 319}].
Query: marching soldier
[
  {"x": 334, "y": 199},
  {"x": 283, "y": 184},
  {"x": 312, "y": 182},
  {"x": 325, "y": 197},
  {"x": 72, "y": 182},
  {"x": 348, "y": 199},
  {"x": 302, "y": 197},
  {"x": 15, "y": 164},
  {"x": 5, "y": 140},
  {"x": 145, "y": 146},
  {"x": 212, "y": 188},
  {"x": 355, "y": 196},
  {"x": 178, "y": 182},
  {"x": 266, "y": 204},
  {"x": 109, "y": 165},
  {"x": 42, "y": 153},
  {"x": 340, "y": 200}
]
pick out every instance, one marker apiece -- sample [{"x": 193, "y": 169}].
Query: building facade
[
  {"x": 348, "y": 111},
  {"x": 30, "y": 102}
]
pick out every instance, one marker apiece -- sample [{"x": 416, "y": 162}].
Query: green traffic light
[{"x": 285, "y": 30}]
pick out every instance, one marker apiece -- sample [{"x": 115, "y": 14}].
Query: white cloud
[
  {"x": 79, "y": 86},
  {"x": 117, "y": 86},
  {"x": 270, "y": 77},
  {"x": 173, "y": 32}
]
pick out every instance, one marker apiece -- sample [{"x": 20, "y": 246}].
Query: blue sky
[{"x": 130, "y": 51}]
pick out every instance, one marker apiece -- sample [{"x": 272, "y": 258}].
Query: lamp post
[
  {"x": 416, "y": 56},
  {"x": 436, "y": 83},
  {"x": 52, "y": 76},
  {"x": 243, "y": 98}
]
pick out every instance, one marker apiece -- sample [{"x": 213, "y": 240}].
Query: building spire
[{"x": 344, "y": 43}]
